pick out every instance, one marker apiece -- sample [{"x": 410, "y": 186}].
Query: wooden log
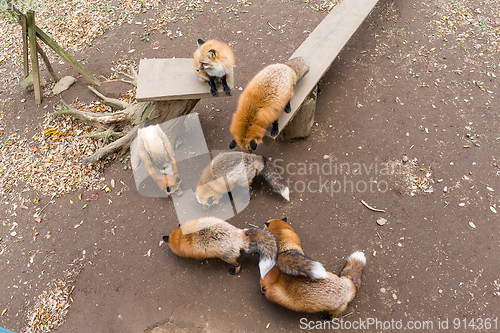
[
  {"x": 300, "y": 126},
  {"x": 155, "y": 113},
  {"x": 30, "y": 20}
]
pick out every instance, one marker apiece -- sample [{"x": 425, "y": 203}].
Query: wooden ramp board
[
  {"x": 322, "y": 47},
  {"x": 170, "y": 79}
]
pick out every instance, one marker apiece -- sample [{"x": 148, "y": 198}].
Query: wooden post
[
  {"x": 34, "y": 55},
  {"x": 301, "y": 124},
  {"x": 24, "y": 28}
]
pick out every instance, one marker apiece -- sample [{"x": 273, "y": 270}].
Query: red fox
[
  {"x": 261, "y": 102},
  {"x": 213, "y": 60},
  {"x": 229, "y": 169},
  {"x": 331, "y": 294},
  {"x": 291, "y": 259},
  {"x": 155, "y": 150},
  {"x": 211, "y": 237}
]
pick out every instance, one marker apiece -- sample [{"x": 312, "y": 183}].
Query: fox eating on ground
[
  {"x": 211, "y": 237},
  {"x": 229, "y": 169},
  {"x": 155, "y": 150},
  {"x": 261, "y": 102},
  {"x": 213, "y": 60},
  {"x": 331, "y": 294}
]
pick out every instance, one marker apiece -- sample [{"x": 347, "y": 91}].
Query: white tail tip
[
  {"x": 318, "y": 271},
  {"x": 359, "y": 256},
  {"x": 265, "y": 265},
  {"x": 286, "y": 194}
]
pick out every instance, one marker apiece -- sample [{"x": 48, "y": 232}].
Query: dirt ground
[{"x": 411, "y": 81}]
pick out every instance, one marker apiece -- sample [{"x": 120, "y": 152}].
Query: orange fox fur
[
  {"x": 261, "y": 102},
  {"x": 211, "y": 237},
  {"x": 331, "y": 294},
  {"x": 213, "y": 60},
  {"x": 156, "y": 152},
  {"x": 291, "y": 259}
]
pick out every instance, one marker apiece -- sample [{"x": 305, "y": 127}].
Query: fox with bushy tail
[
  {"x": 211, "y": 237},
  {"x": 261, "y": 102},
  {"x": 331, "y": 294},
  {"x": 229, "y": 169}
]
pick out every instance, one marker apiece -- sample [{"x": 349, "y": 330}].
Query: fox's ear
[
  {"x": 253, "y": 144},
  {"x": 211, "y": 54},
  {"x": 267, "y": 224},
  {"x": 165, "y": 239},
  {"x": 193, "y": 189},
  {"x": 200, "y": 42},
  {"x": 284, "y": 219},
  {"x": 232, "y": 144},
  {"x": 210, "y": 200}
]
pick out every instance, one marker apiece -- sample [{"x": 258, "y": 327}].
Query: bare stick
[{"x": 372, "y": 208}]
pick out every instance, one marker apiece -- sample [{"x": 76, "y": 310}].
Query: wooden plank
[
  {"x": 66, "y": 56},
  {"x": 323, "y": 45},
  {"x": 172, "y": 79},
  {"x": 24, "y": 28},
  {"x": 30, "y": 20}
]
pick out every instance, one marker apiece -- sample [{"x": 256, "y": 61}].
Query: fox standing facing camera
[
  {"x": 213, "y": 60},
  {"x": 211, "y": 237},
  {"x": 331, "y": 294},
  {"x": 261, "y": 102},
  {"x": 229, "y": 169}
]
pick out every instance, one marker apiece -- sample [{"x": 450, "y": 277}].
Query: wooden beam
[
  {"x": 66, "y": 56},
  {"x": 323, "y": 45},
  {"x": 24, "y": 28},
  {"x": 47, "y": 62},
  {"x": 30, "y": 20},
  {"x": 54, "y": 46},
  {"x": 173, "y": 79}
]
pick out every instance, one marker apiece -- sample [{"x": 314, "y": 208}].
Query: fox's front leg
[
  {"x": 275, "y": 129},
  {"x": 213, "y": 86},
  {"x": 227, "y": 90}
]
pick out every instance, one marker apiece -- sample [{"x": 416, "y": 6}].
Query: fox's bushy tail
[
  {"x": 264, "y": 243},
  {"x": 294, "y": 263},
  {"x": 353, "y": 269},
  {"x": 273, "y": 177},
  {"x": 299, "y": 65}
]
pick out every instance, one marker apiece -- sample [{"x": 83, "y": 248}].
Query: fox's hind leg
[
  {"x": 288, "y": 108},
  {"x": 275, "y": 129},
  {"x": 227, "y": 90},
  {"x": 213, "y": 86}
]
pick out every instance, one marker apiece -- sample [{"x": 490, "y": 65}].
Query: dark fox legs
[
  {"x": 275, "y": 129},
  {"x": 226, "y": 88},
  {"x": 213, "y": 86},
  {"x": 211, "y": 83}
]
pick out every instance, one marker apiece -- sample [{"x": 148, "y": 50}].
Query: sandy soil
[{"x": 408, "y": 82}]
